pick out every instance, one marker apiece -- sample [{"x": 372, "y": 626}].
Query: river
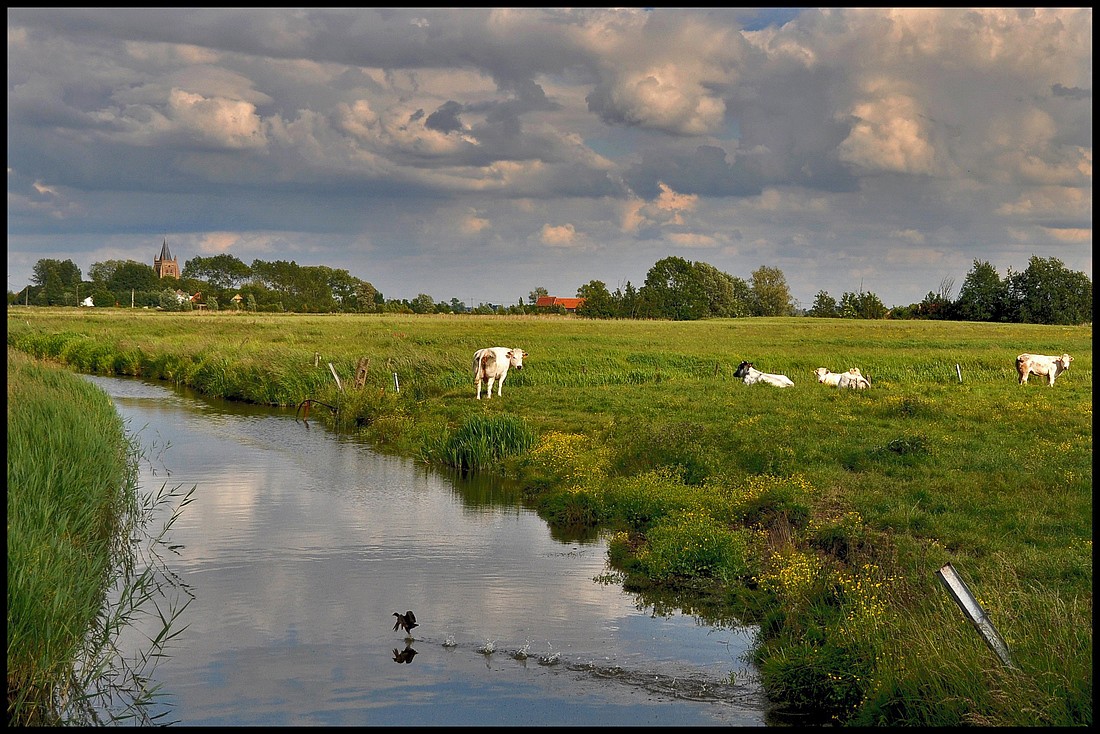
[{"x": 299, "y": 544}]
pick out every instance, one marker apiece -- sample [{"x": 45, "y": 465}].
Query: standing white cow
[
  {"x": 1043, "y": 365},
  {"x": 492, "y": 363}
]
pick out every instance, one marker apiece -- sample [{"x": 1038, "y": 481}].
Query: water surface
[{"x": 300, "y": 544}]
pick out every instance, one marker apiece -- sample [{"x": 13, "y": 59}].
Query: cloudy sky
[{"x": 481, "y": 153}]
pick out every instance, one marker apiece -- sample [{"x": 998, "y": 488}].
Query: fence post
[
  {"x": 966, "y": 600},
  {"x": 333, "y": 371}
]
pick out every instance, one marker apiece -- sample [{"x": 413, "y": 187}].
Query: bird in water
[{"x": 405, "y": 621}]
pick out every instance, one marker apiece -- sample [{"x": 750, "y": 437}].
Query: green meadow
[{"x": 819, "y": 515}]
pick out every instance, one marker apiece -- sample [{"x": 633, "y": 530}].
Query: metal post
[
  {"x": 338, "y": 383},
  {"x": 396, "y": 387},
  {"x": 966, "y": 600}
]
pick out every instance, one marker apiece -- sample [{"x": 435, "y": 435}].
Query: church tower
[{"x": 166, "y": 265}]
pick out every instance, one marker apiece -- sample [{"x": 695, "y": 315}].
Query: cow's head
[
  {"x": 742, "y": 369},
  {"x": 820, "y": 373},
  {"x": 515, "y": 358},
  {"x": 1065, "y": 359}
]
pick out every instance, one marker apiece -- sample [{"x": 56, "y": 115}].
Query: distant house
[
  {"x": 569, "y": 304},
  {"x": 196, "y": 300},
  {"x": 87, "y": 302}
]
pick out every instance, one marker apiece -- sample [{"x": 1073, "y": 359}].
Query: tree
[
  {"x": 598, "y": 303},
  {"x": 825, "y": 306},
  {"x": 367, "y": 298},
  {"x": 983, "y": 296},
  {"x": 536, "y": 294},
  {"x": 934, "y": 306},
  {"x": 772, "y": 296},
  {"x": 169, "y": 301},
  {"x": 1048, "y": 293},
  {"x": 122, "y": 277},
  {"x": 626, "y": 301},
  {"x": 864, "y": 305},
  {"x": 672, "y": 290},
  {"x": 423, "y": 303},
  {"x": 59, "y": 281},
  {"x": 726, "y": 296},
  {"x": 222, "y": 271}
]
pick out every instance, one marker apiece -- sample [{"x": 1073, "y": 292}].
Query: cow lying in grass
[
  {"x": 852, "y": 379},
  {"x": 751, "y": 376},
  {"x": 492, "y": 364},
  {"x": 1043, "y": 365}
]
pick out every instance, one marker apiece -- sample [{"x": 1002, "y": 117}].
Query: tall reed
[{"x": 74, "y": 511}]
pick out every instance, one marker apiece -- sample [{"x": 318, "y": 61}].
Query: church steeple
[{"x": 166, "y": 265}]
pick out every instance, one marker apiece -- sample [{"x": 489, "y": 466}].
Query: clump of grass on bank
[
  {"x": 480, "y": 444},
  {"x": 818, "y": 515}
]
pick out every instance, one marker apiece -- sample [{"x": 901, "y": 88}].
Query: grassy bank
[
  {"x": 819, "y": 514},
  {"x": 67, "y": 500}
]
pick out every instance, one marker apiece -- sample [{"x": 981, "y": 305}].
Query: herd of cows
[{"x": 492, "y": 364}]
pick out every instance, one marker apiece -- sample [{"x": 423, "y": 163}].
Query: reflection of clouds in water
[{"x": 296, "y": 541}]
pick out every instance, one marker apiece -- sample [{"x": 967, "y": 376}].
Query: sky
[{"x": 482, "y": 153}]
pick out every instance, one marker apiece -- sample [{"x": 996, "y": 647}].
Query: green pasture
[{"x": 821, "y": 515}]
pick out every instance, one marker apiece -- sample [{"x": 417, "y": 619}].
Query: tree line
[{"x": 1046, "y": 292}]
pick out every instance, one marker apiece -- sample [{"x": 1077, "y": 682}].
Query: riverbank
[
  {"x": 818, "y": 514},
  {"x": 68, "y": 500}
]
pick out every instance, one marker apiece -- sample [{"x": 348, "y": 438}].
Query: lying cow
[
  {"x": 751, "y": 376},
  {"x": 1043, "y": 365},
  {"x": 826, "y": 377},
  {"x": 492, "y": 363},
  {"x": 853, "y": 378}
]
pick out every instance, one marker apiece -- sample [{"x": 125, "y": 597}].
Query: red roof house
[{"x": 569, "y": 304}]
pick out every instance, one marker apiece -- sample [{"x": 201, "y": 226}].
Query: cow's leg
[
  {"x": 500, "y": 384},
  {"x": 489, "y": 392},
  {"x": 478, "y": 381}
]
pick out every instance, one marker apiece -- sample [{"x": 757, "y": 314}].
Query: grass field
[{"x": 821, "y": 515}]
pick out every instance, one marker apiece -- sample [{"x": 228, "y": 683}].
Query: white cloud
[
  {"x": 845, "y": 140},
  {"x": 562, "y": 235}
]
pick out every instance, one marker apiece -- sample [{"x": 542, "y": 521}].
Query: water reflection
[
  {"x": 404, "y": 656},
  {"x": 299, "y": 545}
]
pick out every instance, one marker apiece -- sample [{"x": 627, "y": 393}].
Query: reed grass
[
  {"x": 74, "y": 512},
  {"x": 820, "y": 515}
]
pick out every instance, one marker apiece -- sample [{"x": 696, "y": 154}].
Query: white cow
[
  {"x": 751, "y": 376},
  {"x": 826, "y": 377},
  {"x": 492, "y": 363},
  {"x": 1044, "y": 365},
  {"x": 853, "y": 379}
]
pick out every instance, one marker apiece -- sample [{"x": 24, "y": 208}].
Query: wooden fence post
[{"x": 361, "y": 372}]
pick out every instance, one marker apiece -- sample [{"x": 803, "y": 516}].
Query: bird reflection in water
[{"x": 404, "y": 656}]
